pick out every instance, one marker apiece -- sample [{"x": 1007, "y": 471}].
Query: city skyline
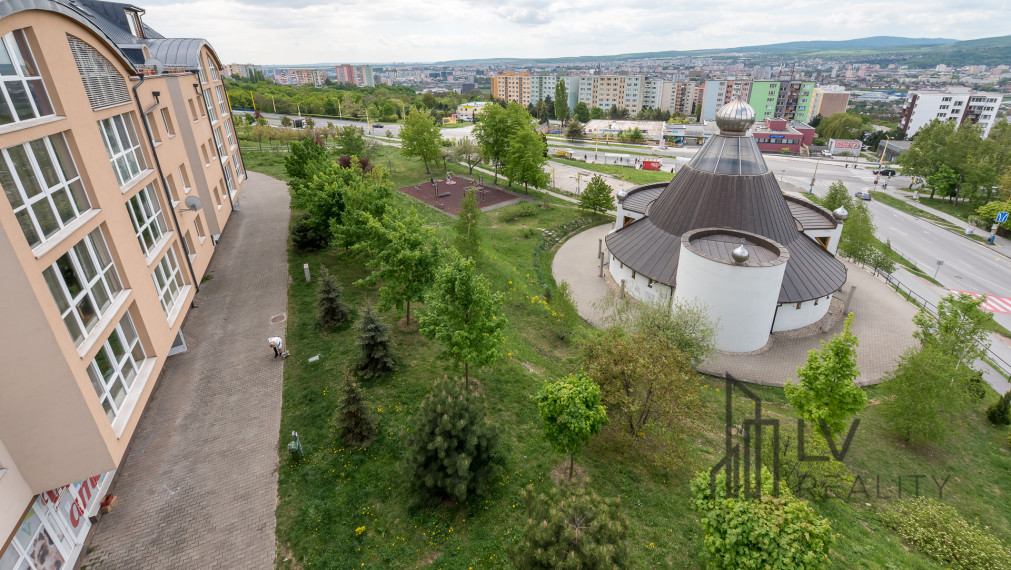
[{"x": 390, "y": 31}]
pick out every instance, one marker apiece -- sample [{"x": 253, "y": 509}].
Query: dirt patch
[
  {"x": 447, "y": 195},
  {"x": 429, "y": 558},
  {"x": 532, "y": 369},
  {"x": 560, "y": 473},
  {"x": 404, "y": 326}
]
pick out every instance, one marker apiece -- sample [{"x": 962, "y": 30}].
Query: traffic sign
[{"x": 1001, "y": 217}]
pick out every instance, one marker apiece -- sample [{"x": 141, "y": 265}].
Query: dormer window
[{"x": 133, "y": 18}]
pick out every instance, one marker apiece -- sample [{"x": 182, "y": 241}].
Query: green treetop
[
  {"x": 571, "y": 413},
  {"x": 420, "y": 138}
]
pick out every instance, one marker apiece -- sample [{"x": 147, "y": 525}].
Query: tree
[
  {"x": 1000, "y": 412},
  {"x": 377, "y": 356},
  {"x": 596, "y": 197},
  {"x": 405, "y": 255},
  {"x": 943, "y": 180},
  {"x": 354, "y": 422},
  {"x": 525, "y": 159},
  {"x": 467, "y": 151},
  {"x": 333, "y": 311},
  {"x": 840, "y": 126},
  {"x": 927, "y": 393},
  {"x": 561, "y": 101},
  {"x": 571, "y": 413},
  {"x": 684, "y": 326},
  {"x": 960, "y": 330},
  {"x": 420, "y": 137},
  {"x": 549, "y": 107},
  {"x": 837, "y": 196},
  {"x": 366, "y": 196},
  {"x": 285, "y": 121},
  {"x": 448, "y": 448},
  {"x": 467, "y": 226},
  {"x": 857, "y": 240},
  {"x": 571, "y": 528},
  {"x": 322, "y": 198},
  {"x": 574, "y": 130},
  {"x": 350, "y": 141},
  {"x": 597, "y": 113},
  {"x": 306, "y": 158},
  {"x": 581, "y": 112},
  {"x": 827, "y": 391},
  {"x": 463, "y": 313},
  {"x": 495, "y": 127}
]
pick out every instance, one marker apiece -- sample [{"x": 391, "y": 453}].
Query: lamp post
[
  {"x": 274, "y": 103},
  {"x": 815, "y": 175},
  {"x": 882, "y": 157}
]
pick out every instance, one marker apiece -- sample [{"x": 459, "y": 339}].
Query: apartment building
[
  {"x": 240, "y": 69},
  {"x": 511, "y": 87},
  {"x": 604, "y": 91},
  {"x": 120, "y": 168},
  {"x": 959, "y": 104},
  {"x": 719, "y": 92},
  {"x": 828, "y": 100},
  {"x": 300, "y": 76},
  {"x": 784, "y": 98},
  {"x": 363, "y": 76}
]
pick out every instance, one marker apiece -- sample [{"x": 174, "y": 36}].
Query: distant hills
[{"x": 916, "y": 52}]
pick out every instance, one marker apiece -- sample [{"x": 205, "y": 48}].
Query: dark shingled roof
[
  {"x": 712, "y": 197},
  {"x": 641, "y": 196},
  {"x": 811, "y": 216}
]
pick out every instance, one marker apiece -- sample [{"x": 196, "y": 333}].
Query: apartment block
[
  {"x": 959, "y": 104},
  {"x": 828, "y": 100},
  {"x": 784, "y": 98},
  {"x": 511, "y": 87},
  {"x": 719, "y": 92},
  {"x": 604, "y": 91},
  {"x": 300, "y": 76},
  {"x": 240, "y": 69},
  {"x": 120, "y": 169}
]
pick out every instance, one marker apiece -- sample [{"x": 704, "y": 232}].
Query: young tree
[
  {"x": 467, "y": 226},
  {"x": 366, "y": 196},
  {"x": 571, "y": 413},
  {"x": 837, "y": 196},
  {"x": 596, "y": 197},
  {"x": 420, "y": 137},
  {"x": 684, "y": 326},
  {"x": 333, "y": 311},
  {"x": 377, "y": 357},
  {"x": 350, "y": 141},
  {"x": 927, "y": 394},
  {"x": 285, "y": 121},
  {"x": 1000, "y": 412},
  {"x": 574, "y": 130},
  {"x": 463, "y": 313},
  {"x": 525, "y": 159},
  {"x": 827, "y": 391},
  {"x": 306, "y": 158},
  {"x": 448, "y": 449},
  {"x": 597, "y": 113},
  {"x": 354, "y": 422},
  {"x": 468, "y": 152},
  {"x": 960, "y": 331},
  {"x": 405, "y": 255},
  {"x": 561, "y": 101},
  {"x": 581, "y": 112},
  {"x": 943, "y": 180},
  {"x": 571, "y": 527},
  {"x": 840, "y": 126},
  {"x": 857, "y": 240},
  {"x": 495, "y": 126}
]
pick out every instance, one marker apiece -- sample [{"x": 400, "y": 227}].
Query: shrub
[
  {"x": 941, "y": 533},
  {"x": 816, "y": 480},
  {"x": 571, "y": 528},
  {"x": 517, "y": 211},
  {"x": 769, "y": 532},
  {"x": 306, "y": 236},
  {"x": 363, "y": 162},
  {"x": 333, "y": 311},
  {"x": 448, "y": 450},
  {"x": 354, "y": 423},
  {"x": 1000, "y": 412}
]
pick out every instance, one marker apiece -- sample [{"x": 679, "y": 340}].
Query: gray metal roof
[
  {"x": 177, "y": 52},
  {"x": 72, "y": 9},
  {"x": 642, "y": 196},
  {"x": 733, "y": 155},
  {"x": 811, "y": 216}
]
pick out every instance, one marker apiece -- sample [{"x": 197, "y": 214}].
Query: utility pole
[{"x": 815, "y": 175}]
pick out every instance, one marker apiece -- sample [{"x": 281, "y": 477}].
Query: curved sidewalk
[
  {"x": 198, "y": 486},
  {"x": 883, "y": 320}
]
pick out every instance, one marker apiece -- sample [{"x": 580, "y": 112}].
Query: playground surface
[{"x": 446, "y": 195}]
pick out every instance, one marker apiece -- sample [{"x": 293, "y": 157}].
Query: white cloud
[{"x": 316, "y": 31}]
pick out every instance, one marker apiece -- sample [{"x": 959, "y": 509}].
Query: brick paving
[
  {"x": 451, "y": 195},
  {"x": 198, "y": 487}
]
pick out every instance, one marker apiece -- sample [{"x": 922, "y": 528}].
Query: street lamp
[
  {"x": 272, "y": 102},
  {"x": 815, "y": 175}
]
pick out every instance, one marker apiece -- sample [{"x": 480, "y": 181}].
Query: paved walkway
[
  {"x": 198, "y": 487},
  {"x": 882, "y": 320}
]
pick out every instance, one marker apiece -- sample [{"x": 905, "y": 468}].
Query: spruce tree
[
  {"x": 377, "y": 356},
  {"x": 354, "y": 423},
  {"x": 448, "y": 450},
  {"x": 1000, "y": 412},
  {"x": 333, "y": 312}
]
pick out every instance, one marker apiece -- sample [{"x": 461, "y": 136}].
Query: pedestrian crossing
[{"x": 993, "y": 303}]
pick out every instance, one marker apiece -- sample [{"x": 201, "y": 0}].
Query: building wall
[
  {"x": 828, "y": 103},
  {"x": 790, "y": 317},
  {"x": 764, "y": 95},
  {"x": 638, "y": 285}
]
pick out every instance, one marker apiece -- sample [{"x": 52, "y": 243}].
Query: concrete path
[
  {"x": 564, "y": 178},
  {"x": 576, "y": 262},
  {"x": 198, "y": 487}
]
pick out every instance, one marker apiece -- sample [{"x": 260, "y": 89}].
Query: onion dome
[
  {"x": 735, "y": 118},
  {"x": 740, "y": 254},
  {"x": 622, "y": 195},
  {"x": 840, "y": 213}
]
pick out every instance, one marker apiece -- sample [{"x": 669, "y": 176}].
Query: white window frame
[
  {"x": 240, "y": 168},
  {"x": 103, "y": 284},
  {"x": 119, "y": 134},
  {"x": 168, "y": 280},
  {"x": 219, "y": 144},
  {"x": 201, "y": 74},
  {"x": 214, "y": 70},
  {"x": 112, "y": 385},
  {"x": 25, "y": 77},
  {"x": 229, "y": 183},
  {"x": 51, "y": 173},
  {"x": 171, "y": 132},
  {"x": 210, "y": 106},
  {"x": 147, "y": 217},
  {"x": 222, "y": 101},
  {"x": 230, "y": 134}
]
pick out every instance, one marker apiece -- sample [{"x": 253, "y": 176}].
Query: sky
[{"x": 268, "y": 32}]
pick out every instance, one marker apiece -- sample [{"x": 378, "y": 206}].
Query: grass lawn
[
  {"x": 962, "y": 210},
  {"x": 333, "y": 491},
  {"x": 632, "y": 175}
]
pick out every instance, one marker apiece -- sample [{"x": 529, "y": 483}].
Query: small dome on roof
[
  {"x": 622, "y": 195},
  {"x": 735, "y": 118},
  {"x": 840, "y": 213},
  {"x": 740, "y": 254}
]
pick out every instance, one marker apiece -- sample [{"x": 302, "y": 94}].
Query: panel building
[
  {"x": 828, "y": 100},
  {"x": 120, "y": 169},
  {"x": 959, "y": 104}
]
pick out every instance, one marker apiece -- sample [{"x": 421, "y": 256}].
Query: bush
[
  {"x": 770, "y": 532},
  {"x": 306, "y": 236},
  {"x": 517, "y": 211},
  {"x": 941, "y": 533},
  {"x": 449, "y": 447},
  {"x": 571, "y": 528},
  {"x": 1000, "y": 412},
  {"x": 815, "y": 480}
]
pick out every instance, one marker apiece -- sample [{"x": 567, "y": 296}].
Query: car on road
[
  {"x": 377, "y": 126},
  {"x": 863, "y": 194},
  {"x": 885, "y": 172},
  {"x": 826, "y": 153}
]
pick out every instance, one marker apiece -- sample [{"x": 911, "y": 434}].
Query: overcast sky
[{"x": 383, "y": 31}]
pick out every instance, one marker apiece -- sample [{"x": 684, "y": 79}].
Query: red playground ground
[{"x": 447, "y": 195}]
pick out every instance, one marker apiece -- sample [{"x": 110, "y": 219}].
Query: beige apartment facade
[{"x": 120, "y": 168}]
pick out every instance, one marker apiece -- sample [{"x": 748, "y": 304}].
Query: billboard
[{"x": 843, "y": 147}]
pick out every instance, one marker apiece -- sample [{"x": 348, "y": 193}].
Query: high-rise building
[
  {"x": 345, "y": 74},
  {"x": 120, "y": 168},
  {"x": 363, "y": 76},
  {"x": 958, "y": 104},
  {"x": 719, "y": 92},
  {"x": 783, "y": 99},
  {"x": 604, "y": 91},
  {"x": 300, "y": 76},
  {"x": 828, "y": 100}
]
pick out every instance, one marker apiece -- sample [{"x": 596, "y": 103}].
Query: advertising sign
[{"x": 844, "y": 147}]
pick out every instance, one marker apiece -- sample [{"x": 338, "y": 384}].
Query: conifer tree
[
  {"x": 354, "y": 423},
  {"x": 333, "y": 311},
  {"x": 377, "y": 356},
  {"x": 448, "y": 450}
]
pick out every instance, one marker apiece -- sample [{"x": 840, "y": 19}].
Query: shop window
[
  {"x": 41, "y": 182},
  {"x": 169, "y": 281},
  {"x": 147, "y": 217},
  {"x": 84, "y": 282},
  {"x": 116, "y": 366},
  {"x": 22, "y": 92},
  {"x": 123, "y": 145}
]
